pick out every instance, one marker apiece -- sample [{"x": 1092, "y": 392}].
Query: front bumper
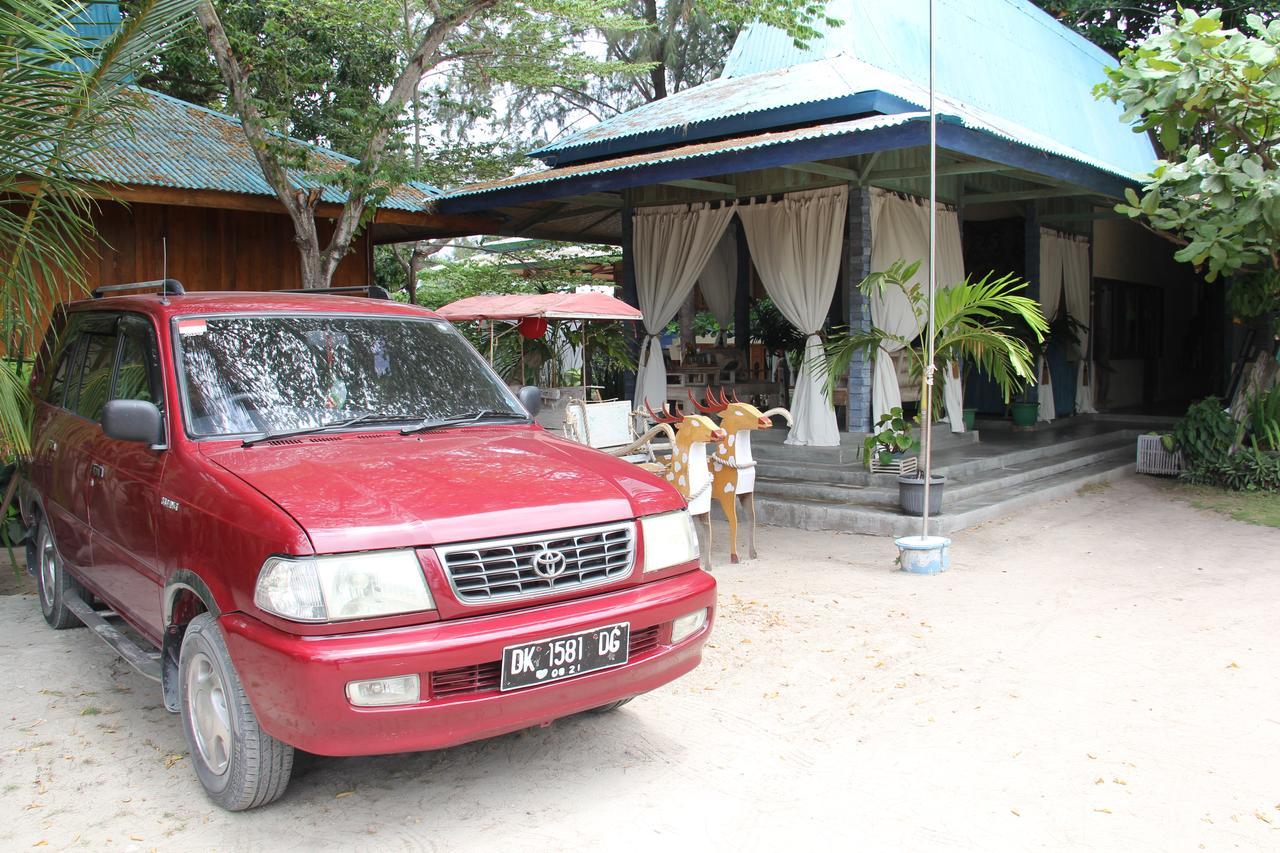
[{"x": 297, "y": 685}]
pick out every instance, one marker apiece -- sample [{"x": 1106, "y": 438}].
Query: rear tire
[
  {"x": 53, "y": 582},
  {"x": 240, "y": 766}
]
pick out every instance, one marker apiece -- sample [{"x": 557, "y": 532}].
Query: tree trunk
[{"x": 319, "y": 265}]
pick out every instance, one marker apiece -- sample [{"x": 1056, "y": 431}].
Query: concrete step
[
  {"x": 956, "y": 464},
  {"x": 957, "y": 514},
  {"x": 885, "y": 488}
]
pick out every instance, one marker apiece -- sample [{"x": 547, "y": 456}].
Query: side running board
[{"x": 145, "y": 661}]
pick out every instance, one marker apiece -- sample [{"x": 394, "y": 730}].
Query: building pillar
[
  {"x": 856, "y": 265},
  {"x": 1031, "y": 244},
  {"x": 630, "y": 297},
  {"x": 742, "y": 299}
]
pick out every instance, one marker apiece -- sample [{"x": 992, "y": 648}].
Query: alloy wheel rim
[
  {"x": 210, "y": 717},
  {"x": 48, "y": 570}
]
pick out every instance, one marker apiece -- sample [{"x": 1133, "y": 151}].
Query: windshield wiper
[
  {"x": 355, "y": 420},
  {"x": 465, "y": 418}
]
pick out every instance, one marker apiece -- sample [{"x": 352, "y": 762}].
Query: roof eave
[
  {"x": 953, "y": 137},
  {"x": 871, "y": 102}
]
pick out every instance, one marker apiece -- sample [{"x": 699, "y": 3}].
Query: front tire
[
  {"x": 240, "y": 766},
  {"x": 53, "y": 582}
]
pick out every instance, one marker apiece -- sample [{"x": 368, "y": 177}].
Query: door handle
[{"x": 97, "y": 470}]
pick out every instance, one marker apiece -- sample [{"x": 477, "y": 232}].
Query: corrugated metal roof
[
  {"x": 180, "y": 145},
  {"x": 1028, "y": 77},
  {"x": 812, "y": 83},
  {"x": 688, "y": 152},
  {"x": 1006, "y": 57}
]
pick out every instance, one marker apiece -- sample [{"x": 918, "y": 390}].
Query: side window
[
  {"x": 136, "y": 372},
  {"x": 95, "y": 374},
  {"x": 57, "y": 356}
]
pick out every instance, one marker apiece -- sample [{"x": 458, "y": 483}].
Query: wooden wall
[{"x": 209, "y": 248}]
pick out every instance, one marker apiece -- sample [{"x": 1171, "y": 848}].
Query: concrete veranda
[{"x": 1098, "y": 673}]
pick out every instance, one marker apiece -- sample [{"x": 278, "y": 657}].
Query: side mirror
[
  {"x": 133, "y": 420},
  {"x": 531, "y": 398}
]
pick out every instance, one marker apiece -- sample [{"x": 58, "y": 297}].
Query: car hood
[{"x": 363, "y": 491}]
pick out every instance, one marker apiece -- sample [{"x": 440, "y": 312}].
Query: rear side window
[
  {"x": 56, "y": 358},
  {"x": 136, "y": 374},
  {"x": 95, "y": 375}
]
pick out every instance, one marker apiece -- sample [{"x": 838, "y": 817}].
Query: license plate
[{"x": 564, "y": 657}]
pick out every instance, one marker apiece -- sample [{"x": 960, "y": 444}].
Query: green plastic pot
[
  {"x": 970, "y": 418},
  {"x": 1024, "y": 414}
]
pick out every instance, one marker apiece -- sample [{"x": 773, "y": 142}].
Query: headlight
[
  {"x": 343, "y": 586},
  {"x": 669, "y": 540}
]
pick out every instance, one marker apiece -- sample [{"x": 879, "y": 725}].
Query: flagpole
[{"x": 933, "y": 272}]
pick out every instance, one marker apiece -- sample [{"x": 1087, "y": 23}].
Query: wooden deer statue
[
  {"x": 733, "y": 469},
  {"x": 687, "y": 468}
]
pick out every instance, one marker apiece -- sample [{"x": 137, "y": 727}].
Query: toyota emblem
[{"x": 549, "y": 564}]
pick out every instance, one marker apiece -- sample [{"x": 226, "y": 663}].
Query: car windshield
[{"x": 250, "y": 375}]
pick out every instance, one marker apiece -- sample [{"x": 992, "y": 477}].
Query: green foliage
[
  {"x": 892, "y": 434},
  {"x": 62, "y": 98},
  {"x": 1211, "y": 94},
  {"x": 772, "y": 329},
  {"x": 973, "y": 321},
  {"x": 658, "y": 48},
  {"x": 1264, "y": 419},
  {"x": 1113, "y": 25},
  {"x": 1252, "y": 295},
  {"x": 1206, "y": 434},
  {"x": 452, "y": 280},
  {"x": 1247, "y": 470}
]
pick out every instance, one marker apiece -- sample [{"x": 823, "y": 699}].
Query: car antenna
[{"x": 164, "y": 270}]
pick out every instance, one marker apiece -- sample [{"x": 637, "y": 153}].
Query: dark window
[
  {"x": 58, "y": 381},
  {"x": 136, "y": 374},
  {"x": 254, "y": 374},
  {"x": 95, "y": 375},
  {"x": 58, "y": 351}
]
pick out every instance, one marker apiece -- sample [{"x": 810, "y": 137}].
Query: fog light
[
  {"x": 402, "y": 690},
  {"x": 688, "y": 625}
]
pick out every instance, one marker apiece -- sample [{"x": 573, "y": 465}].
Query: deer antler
[
  {"x": 665, "y": 418},
  {"x": 710, "y": 407}
]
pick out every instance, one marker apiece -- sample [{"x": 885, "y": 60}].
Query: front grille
[
  {"x": 499, "y": 569},
  {"x": 478, "y": 678},
  {"x": 484, "y": 677}
]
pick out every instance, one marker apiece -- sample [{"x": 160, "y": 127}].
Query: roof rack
[
  {"x": 373, "y": 291},
  {"x": 166, "y": 286}
]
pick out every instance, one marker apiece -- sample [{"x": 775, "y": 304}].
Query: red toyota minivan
[{"x": 331, "y": 526}]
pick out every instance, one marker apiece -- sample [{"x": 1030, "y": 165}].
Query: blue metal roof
[
  {"x": 1004, "y": 59},
  {"x": 180, "y": 145},
  {"x": 961, "y": 134}
]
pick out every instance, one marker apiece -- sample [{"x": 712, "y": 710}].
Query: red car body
[{"x": 159, "y": 534}]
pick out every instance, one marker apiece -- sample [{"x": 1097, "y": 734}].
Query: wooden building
[{"x": 184, "y": 195}]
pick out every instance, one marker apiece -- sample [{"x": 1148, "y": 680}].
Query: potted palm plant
[{"x": 973, "y": 322}]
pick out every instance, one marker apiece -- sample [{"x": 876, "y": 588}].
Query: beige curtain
[
  {"x": 719, "y": 279},
  {"x": 900, "y": 231},
  {"x": 1053, "y": 252},
  {"x": 1076, "y": 291},
  {"x": 795, "y": 245},
  {"x": 670, "y": 246}
]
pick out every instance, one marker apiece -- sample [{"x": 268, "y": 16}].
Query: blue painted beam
[
  {"x": 845, "y": 107},
  {"x": 951, "y": 137}
]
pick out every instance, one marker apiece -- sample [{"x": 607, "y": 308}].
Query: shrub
[
  {"x": 1206, "y": 434},
  {"x": 1247, "y": 470}
]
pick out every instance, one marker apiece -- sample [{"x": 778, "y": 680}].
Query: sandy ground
[{"x": 1098, "y": 674}]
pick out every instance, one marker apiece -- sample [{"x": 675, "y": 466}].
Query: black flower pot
[{"x": 911, "y": 494}]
